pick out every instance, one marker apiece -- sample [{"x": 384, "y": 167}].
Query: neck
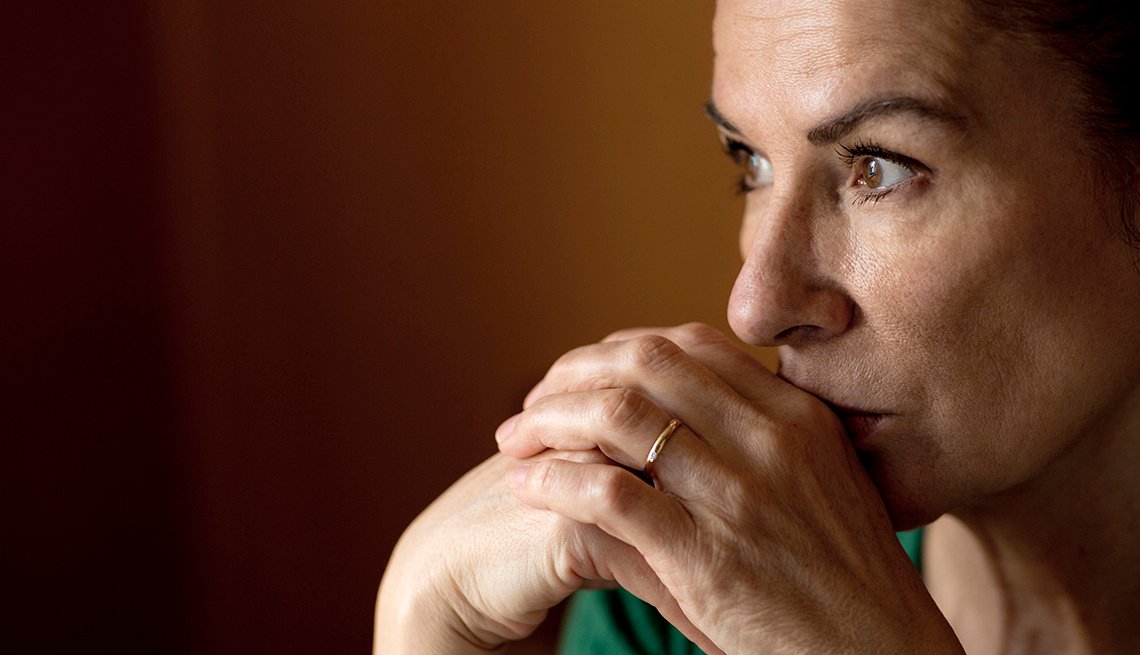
[{"x": 1049, "y": 566}]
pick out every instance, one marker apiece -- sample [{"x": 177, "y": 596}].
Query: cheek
[
  {"x": 949, "y": 293},
  {"x": 937, "y": 330},
  {"x": 941, "y": 321},
  {"x": 996, "y": 336}
]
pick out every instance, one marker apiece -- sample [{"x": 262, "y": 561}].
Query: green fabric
[
  {"x": 912, "y": 543},
  {"x": 615, "y": 622}
]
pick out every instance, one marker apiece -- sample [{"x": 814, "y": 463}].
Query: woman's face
[{"x": 926, "y": 238}]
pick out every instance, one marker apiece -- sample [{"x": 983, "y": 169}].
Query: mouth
[
  {"x": 861, "y": 420},
  {"x": 860, "y": 425}
]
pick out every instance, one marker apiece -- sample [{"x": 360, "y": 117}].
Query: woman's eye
[
  {"x": 759, "y": 171},
  {"x": 756, "y": 168},
  {"x": 876, "y": 172},
  {"x": 880, "y": 173}
]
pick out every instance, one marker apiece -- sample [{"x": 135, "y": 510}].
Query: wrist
[{"x": 413, "y": 616}]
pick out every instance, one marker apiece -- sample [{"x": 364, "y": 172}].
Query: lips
[
  {"x": 860, "y": 425},
  {"x": 861, "y": 419}
]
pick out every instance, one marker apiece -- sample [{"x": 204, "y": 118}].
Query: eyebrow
[
  {"x": 715, "y": 116},
  {"x": 836, "y": 128}
]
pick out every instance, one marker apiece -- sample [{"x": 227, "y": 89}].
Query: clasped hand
[{"x": 761, "y": 531}]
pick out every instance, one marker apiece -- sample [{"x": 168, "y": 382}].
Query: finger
[
  {"x": 623, "y": 423},
  {"x": 746, "y": 374},
  {"x": 606, "y": 496},
  {"x": 657, "y": 368},
  {"x": 615, "y": 560},
  {"x": 614, "y": 500}
]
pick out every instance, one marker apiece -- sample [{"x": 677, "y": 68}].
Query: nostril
[
  {"x": 776, "y": 301},
  {"x": 799, "y": 334}
]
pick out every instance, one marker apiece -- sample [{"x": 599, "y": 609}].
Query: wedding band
[{"x": 659, "y": 445}]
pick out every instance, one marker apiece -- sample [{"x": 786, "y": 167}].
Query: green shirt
[{"x": 615, "y": 622}]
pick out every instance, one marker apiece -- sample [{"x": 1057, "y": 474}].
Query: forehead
[{"x": 803, "y": 59}]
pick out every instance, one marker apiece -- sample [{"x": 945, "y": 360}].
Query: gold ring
[{"x": 659, "y": 445}]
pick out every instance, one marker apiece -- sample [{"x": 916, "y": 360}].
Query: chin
[{"x": 909, "y": 504}]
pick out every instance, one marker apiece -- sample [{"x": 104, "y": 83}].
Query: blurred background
[{"x": 274, "y": 271}]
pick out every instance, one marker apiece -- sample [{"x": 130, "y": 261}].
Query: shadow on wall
[{"x": 280, "y": 269}]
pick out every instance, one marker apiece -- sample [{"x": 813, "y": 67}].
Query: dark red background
[{"x": 273, "y": 272}]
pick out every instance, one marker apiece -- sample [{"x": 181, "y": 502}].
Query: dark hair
[{"x": 1101, "y": 40}]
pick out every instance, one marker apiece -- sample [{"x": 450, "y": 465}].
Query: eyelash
[
  {"x": 739, "y": 154},
  {"x": 849, "y": 155},
  {"x": 741, "y": 186}
]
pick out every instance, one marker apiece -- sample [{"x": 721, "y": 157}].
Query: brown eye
[
  {"x": 879, "y": 173},
  {"x": 872, "y": 173}
]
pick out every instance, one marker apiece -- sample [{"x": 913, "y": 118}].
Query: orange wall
[{"x": 356, "y": 234}]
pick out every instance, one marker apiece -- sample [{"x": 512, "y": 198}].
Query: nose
[{"x": 785, "y": 293}]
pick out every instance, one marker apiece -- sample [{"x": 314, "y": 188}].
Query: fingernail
[
  {"x": 503, "y": 432},
  {"x": 517, "y": 476}
]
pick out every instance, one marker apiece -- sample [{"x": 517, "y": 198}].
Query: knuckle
[
  {"x": 620, "y": 335},
  {"x": 624, "y": 408},
  {"x": 654, "y": 353},
  {"x": 698, "y": 334},
  {"x": 563, "y": 361},
  {"x": 806, "y": 420},
  {"x": 610, "y": 492},
  {"x": 544, "y": 476}
]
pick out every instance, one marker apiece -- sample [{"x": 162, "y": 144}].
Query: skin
[
  {"x": 985, "y": 307},
  {"x": 456, "y": 584},
  {"x": 995, "y": 271},
  {"x": 957, "y": 326}
]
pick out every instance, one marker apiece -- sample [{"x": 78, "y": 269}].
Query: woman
[{"x": 939, "y": 235}]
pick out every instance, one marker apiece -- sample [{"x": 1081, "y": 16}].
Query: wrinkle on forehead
[{"x": 809, "y": 59}]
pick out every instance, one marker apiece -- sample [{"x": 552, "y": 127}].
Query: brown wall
[{"x": 278, "y": 269}]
